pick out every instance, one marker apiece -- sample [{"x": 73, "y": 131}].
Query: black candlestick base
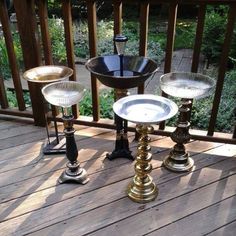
[
  {"x": 79, "y": 176},
  {"x": 121, "y": 153},
  {"x": 122, "y": 143},
  {"x": 73, "y": 172}
]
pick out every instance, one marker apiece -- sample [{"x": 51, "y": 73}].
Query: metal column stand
[
  {"x": 144, "y": 110},
  {"x": 43, "y": 75},
  {"x": 121, "y": 72},
  {"x": 122, "y": 142},
  {"x": 178, "y": 158},
  {"x": 142, "y": 189}
]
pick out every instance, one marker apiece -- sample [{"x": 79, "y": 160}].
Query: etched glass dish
[
  {"x": 186, "y": 84},
  {"x": 64, "y": 93}
]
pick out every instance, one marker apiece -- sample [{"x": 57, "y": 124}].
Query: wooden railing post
[
  {"x": 26, "y": 19},
  {"x": 92, "y": 26},
  {"x": 117, "y": 7},
  {"x": 144, "y": 15},
  {"x": 11, "y": 55},
  {"x": 67, "y": 18},
  {"x": 46, "y": 40},
  {"x": 198, "y": 38},
  {"x": 3, "y": 96},
  {"x": 173, "y": 7}
]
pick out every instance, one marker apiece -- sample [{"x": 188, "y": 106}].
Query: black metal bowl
[{"x": 136, "y": 70}]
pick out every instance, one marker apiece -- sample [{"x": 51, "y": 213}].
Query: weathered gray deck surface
[{"x": 202, "y": 202}]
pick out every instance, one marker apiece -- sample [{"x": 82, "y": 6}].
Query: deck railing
[{"x": 34, "y": 49}]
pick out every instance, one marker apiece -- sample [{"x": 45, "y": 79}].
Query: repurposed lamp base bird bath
[
  {"x": 65, "y": 94},
  {"x": 44, "y": 75},
  {"x": 187, "y": 86},
  {"x": 144, "y": 110},
  {"x": 121, "y": 72}
]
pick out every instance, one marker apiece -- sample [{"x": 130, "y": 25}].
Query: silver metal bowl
[
  {"x": 136, "y": 70},
  {"x": 48, "y": 74},
  {"x": 64, "y": 93},
  {"x": 186, "y": 84},
  {"x": 145, "y": 108}
]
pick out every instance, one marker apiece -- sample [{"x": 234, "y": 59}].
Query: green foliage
[
  {"x": 4, "y": 62},
  {"x": 12, "y": 101},
  {"x": 105, "y": 40},
  {"x": 213, "y": 36},
  {"x": 56, "y": 30},
  {"x": 185, "y": 34},
  {"x": 227, "y": 109},
  {"x": 106, "y": 99}
]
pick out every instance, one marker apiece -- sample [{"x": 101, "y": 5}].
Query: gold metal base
[
  {"x": 142, "y": 189},
  {"x": 181, "y": 163},
  {"x": 80, "y": 176},
  {"x": 144, "y": 192}
]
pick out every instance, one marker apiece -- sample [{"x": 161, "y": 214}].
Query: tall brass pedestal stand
[{"x": 144, "y": 110}]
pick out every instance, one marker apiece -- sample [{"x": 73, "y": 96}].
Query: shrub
[
  {"x": 56, "y": 30},
  {"x": 105, "y": 41},
  {"x": 106, "y": 101},
  {"x": 213, "y": 36}
]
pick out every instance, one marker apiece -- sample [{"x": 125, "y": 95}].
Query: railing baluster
[
  {"x": 198, "y": 38},
  {"x": 11, "y": 55},
  {"x": 26, "y": 19},
  {"x": 170, "y": 43},
  {"x": 91, "y": 7},
  {"x": 234, "y": 134},
  {"x": 67, "y": 17},
  {"x": 170, "y": 36},
  {"x": 3, "y": 95},
  {"x": 222, "y": 67},
  {"x": 144, "y": 15},
  {"x": 117, "y": 8},
  {"x": 43, "y": 17}
]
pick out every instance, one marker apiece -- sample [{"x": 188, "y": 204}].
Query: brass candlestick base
[
  {"x": 178, "y": 159},
  {"x": 142, "y": 189},
  {"x": 73, "y": 172}
]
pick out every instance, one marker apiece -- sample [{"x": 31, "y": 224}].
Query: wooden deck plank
[
  {"x": 57, "y": 163},
  {"x": 212, "y": 217},
  {"x": 226, "y": 230},
  {"x": 130, "y": 216},
  {"x": 31, "y": 200},
  {"x": 96, "y": 193},
  {"x": 43, "y": 170}
]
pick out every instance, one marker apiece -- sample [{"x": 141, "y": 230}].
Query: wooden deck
[{"x": 202, "y": 202}]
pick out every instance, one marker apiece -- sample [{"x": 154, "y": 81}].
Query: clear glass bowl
[
  {"x": 64, "y": 93},
  {"x": 186, "y": 84}
]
